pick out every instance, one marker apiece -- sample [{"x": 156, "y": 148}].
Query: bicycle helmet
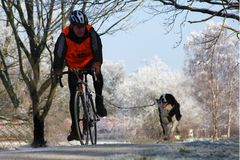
[{"x": 78, "y": 17}]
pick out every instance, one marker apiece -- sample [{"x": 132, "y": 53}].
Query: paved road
[{"x": 165, "y": 151}]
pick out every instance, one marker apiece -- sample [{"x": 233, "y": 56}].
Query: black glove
[{"x": 57, "y": 75}]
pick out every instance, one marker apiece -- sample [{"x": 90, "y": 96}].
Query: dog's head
[
  {"x": 162, "y": 99},
  {"x": 166, "y": 99}
]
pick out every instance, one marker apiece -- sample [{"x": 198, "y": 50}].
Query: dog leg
[
  {"x": 177, "y": 130},
  {"x": 165, "y": 129},
  {"x": 174, "y": 126}
]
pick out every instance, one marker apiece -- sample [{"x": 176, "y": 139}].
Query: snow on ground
[{"x": 191, "y": 150}]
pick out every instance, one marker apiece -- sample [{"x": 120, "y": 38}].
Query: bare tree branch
[
  {"x": 5, "y": 78},
  {"x": 224, "y": 9},
  {"x": 219, "y": 13},
  {"x": 113, "y": 25}
]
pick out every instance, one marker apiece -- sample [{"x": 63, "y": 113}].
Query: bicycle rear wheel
[
  {"x": 93, "y": 120},
  {"x": 81, "y": 118}
]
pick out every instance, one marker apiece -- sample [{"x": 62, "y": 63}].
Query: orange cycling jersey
[{"x": 78, "y": 54}]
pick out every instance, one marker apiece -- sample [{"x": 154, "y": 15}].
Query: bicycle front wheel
[
  {"x": 81, "y": 118},
  {"x": 93, "y": 121}
]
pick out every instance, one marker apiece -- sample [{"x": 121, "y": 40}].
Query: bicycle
[{"x": 85, "y": 115}]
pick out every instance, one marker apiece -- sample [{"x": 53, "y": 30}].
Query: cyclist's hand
[
  {"x": 97, "y": 66},
  {"x": 58, "y": 74}
]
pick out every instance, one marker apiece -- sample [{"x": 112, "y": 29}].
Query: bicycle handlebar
[{"x": 78, "y": 71}]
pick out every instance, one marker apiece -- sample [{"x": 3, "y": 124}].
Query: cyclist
[{"x": 79, "y": 46}]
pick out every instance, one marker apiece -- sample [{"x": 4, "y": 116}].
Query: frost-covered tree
[
  {"x": 213, "y": 65},
  {"x": 140, "y": 89},
  {"x": 146, "y": 84},
  {"x": 114, "y": 75}
]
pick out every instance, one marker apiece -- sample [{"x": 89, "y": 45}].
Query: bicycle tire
[
  {"x": 93, "y": 120},
  {"x": 81, "y": 118}
]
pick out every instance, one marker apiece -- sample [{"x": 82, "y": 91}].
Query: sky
[{"x": 147, "y": 40}]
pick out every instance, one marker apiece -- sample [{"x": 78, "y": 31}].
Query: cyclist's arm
[
  {"x": 96, "y": 46},
  {"x": 60, "y": 52}
]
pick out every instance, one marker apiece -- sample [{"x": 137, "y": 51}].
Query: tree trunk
[
  {"x": 214, "y": 116},
  {"x": 215, "y": 126},
  {"x": 39, "y": 115},
  {"x": 229, "y": 122},
  {"x": 38, "y": 121},
  {"x": 38, "y": 132},
  {"x": 229, "y": 110}
]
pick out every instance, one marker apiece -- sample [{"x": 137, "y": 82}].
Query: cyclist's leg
[{"x": 98, "y": 86}]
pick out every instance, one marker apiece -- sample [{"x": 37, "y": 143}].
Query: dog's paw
[
  {"x": 166, "y": 138},
  {"x": 169, "y": 138}
]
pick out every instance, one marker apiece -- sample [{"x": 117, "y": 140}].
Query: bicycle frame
[
  {"x": 82, "y": 81},
  {"x": 85, "y": 96}
]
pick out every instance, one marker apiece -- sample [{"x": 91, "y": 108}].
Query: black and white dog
[{"x": 169, "y": 113}]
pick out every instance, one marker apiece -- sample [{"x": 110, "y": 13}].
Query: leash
[
  {"x": 127, "y": 108},
  {"x": 114, "y": 105}
]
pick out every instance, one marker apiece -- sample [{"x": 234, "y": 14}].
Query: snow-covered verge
[
  {"x": 201, "y": 150},
  {"x": 192, "y": 150}
]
